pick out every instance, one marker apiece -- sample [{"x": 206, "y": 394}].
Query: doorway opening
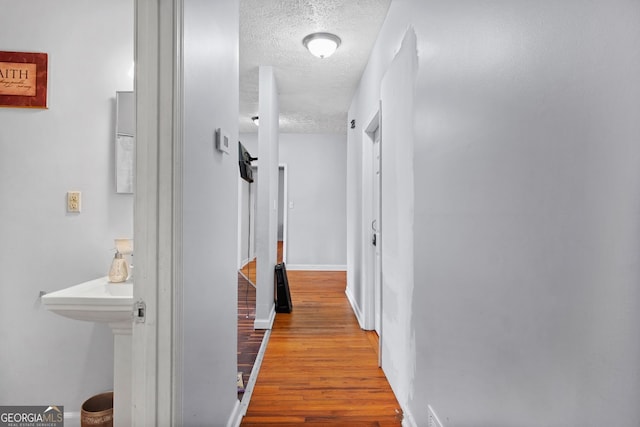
[
  {"x": 373, "y": 132},
  {"x": 373, "y": 228},
  {"x": 248, "y": 214}
]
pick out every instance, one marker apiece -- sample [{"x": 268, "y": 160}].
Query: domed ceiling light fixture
[{"x": 322, "y": 45}]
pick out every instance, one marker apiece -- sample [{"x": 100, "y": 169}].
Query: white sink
[
  {"x": 104, "y": 302},
  {"x": 93, "y": 301}
]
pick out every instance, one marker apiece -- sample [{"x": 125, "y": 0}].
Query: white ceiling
[{"x": 314, "y": 93}]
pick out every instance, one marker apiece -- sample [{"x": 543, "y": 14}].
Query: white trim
[
  {"x": 156, "y": 352},
  {"x": 236, "y": 416},
  {"x": 368, "y": 278},
  {"x": 318, "y": 267},
  {"x": 355, "y": 308},
  {"x": 407, "y": 418},
  {"x": 266, "y": 323},
  {"x": 173, "y": 364},
  {"x": 433, "y": 419}
]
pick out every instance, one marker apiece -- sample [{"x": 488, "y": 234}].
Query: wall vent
[{"x": 433, "y": 418}]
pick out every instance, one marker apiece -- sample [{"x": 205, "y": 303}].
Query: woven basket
[{"x": 97, "y": 411}]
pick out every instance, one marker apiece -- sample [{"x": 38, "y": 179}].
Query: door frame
[
  {"x": 373, "y": 127},
  {"x": 156, "y": 342},
  {"x": 285, "y": 211}
]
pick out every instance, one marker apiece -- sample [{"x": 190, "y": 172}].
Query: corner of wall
[
  {"x": 236, "y": 416},
  {"x": 266, "y": 323},
  {"x": 354, "y": 305},
  {"x": 408, "y": 420}
]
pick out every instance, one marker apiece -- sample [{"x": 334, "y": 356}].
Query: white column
[
  {"x": 267, "y": 213},
  {"x": 122, "y": 370}
]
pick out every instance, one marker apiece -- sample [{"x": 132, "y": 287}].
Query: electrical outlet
[{"x": 73, "y": 201}]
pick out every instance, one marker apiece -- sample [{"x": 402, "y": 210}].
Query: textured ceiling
[{"x": 314, "y": 93}]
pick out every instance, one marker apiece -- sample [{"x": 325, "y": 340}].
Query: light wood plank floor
[
  {"x": 320, "y": 367},
  {"x": 249, "y": 339}
]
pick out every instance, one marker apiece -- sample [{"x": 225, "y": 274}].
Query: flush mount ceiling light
[
  {"x": 255, "y": 120},
  {"x": 322, "y": 45}
]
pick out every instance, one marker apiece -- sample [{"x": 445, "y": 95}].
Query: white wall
[
  {"x": 364, "y": 106},
  {"x": 210, "y": 212},
  {"x": 526, "y": 299},
  {"x": 397, "y": 215},
  {"x": 316, "y": 168},
  {"x": 46, "y": 358}
]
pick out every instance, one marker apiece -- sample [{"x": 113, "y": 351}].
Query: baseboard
[
  {"x": 407, "y": 418},
  {"x": 355, "y": 308},
  {"x": 266, "y": 323},
  {"x": 71, "y": 419},
  {"x": 314, "y": 267},
  {"x": 236, "y": 416},
  {"x": 245, "y": 261}
]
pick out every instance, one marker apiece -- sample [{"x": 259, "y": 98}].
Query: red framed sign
[{"x": 23, "y": 79}]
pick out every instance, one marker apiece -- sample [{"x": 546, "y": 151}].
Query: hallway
[{"x": 320, "y": 367}]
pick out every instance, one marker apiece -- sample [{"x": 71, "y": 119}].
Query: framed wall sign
[{"x": 23, "y": 79}]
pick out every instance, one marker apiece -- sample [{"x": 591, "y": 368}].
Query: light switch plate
[{"x": 223, "y": 141}]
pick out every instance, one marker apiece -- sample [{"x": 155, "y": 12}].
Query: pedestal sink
[{"x": 104, "y": 302}]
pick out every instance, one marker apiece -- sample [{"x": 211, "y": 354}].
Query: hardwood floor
[
  {"x": 249, "y": 339},
  {"x": 249, "y": 271},
  {"x": 320, "y": 367}
]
